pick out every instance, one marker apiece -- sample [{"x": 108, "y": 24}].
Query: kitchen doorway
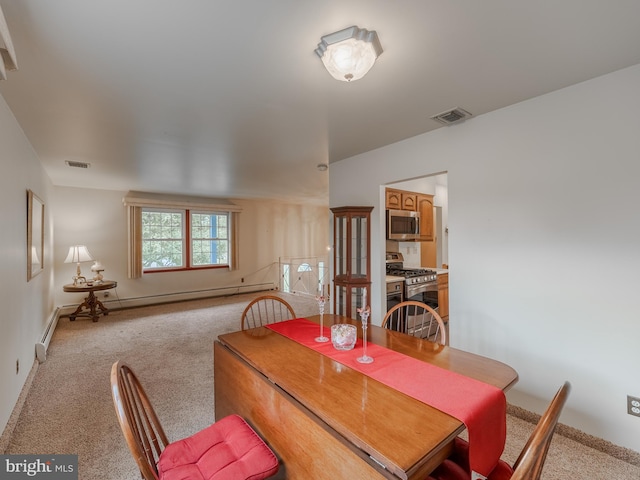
[
  {"x": 426, "y": 254},
  {"x": 425, "y": 262}
]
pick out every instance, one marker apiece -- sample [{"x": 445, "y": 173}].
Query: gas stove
[
  {"x": 417, "y": 280},
  {"x": 395, "y": 267},
  {"x": 413, "y": 276}
]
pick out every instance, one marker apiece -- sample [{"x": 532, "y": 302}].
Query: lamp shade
[
  {"x": 350, "y": 53},
  {"x": 77, "y": 254},
  {"x": 97, "y": 266}
]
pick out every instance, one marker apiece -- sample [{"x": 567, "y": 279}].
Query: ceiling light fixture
[{"x": 350, "y": 53}]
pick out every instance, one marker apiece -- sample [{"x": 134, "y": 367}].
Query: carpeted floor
[{"x": 69, "y": 408}]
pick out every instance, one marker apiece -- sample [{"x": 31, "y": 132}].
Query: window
[
  {"x": 171, "y": 233},
  {"x": 184, "y": 239},
  {"x": 209, "y": 239},
  {"x": 162, "y": 239}
]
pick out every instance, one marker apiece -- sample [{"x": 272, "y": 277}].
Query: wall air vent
[
  {"x": 73, "y": 164},
  {"x": 450, "y": 117}
]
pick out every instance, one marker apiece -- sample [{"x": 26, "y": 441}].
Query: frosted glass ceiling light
[{"x": 350, "y": 53}]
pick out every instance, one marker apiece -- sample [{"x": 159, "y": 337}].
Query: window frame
[{"x": 227, "y": 239}]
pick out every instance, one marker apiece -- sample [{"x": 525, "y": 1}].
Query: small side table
[{"x": 91, "y": 303}]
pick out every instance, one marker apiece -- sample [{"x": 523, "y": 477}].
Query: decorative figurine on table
[
  {"x": 97, "y": 268},
  {"x": 364, "y": 312},
  {"x": 321, "y": 299}
]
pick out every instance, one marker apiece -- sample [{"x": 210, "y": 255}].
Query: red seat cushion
[
  {"x": 228, "y": 449},
  {"x": 456, "y": 467}
]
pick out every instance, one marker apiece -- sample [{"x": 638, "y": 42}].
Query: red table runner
[{"x": 480, "y": 406}]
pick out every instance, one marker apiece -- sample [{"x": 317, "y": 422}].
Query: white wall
[
  {"x": 543, "y": 241},
  {"x": 26, "y": 306}
]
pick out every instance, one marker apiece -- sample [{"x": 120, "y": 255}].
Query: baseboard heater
[{"x": 43, "y": 344}]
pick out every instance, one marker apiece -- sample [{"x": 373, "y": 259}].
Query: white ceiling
[{"x": 226, "y": 98}]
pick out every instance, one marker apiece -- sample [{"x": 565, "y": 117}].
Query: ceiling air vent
[
  {"x": 451, "y": 116},
  {"x": 73, "y": 164}
]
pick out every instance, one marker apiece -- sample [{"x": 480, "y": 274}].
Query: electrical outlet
[
  {"x": 106, "y": 294},
  {"x": 633, "y": 406},
  {"x": 17, "y": 366}
]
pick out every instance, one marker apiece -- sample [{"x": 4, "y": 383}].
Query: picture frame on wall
[{"x": 35, "y": 235}]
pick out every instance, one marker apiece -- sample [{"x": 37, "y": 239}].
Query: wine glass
[
  {"x": 321, "y": 299},
  {"x": 364, "y": 316}
]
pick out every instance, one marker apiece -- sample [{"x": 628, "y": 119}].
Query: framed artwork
[{"x": 35, "y": 235}]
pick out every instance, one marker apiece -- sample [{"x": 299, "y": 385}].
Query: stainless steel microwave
[{"x": 403, "y": 225}]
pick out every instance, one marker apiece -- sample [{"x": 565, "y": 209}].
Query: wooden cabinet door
[
  {"x": 410, "y": 201},
  {"x": 401, "y": 200},
  {"x": 393, "y": 199},
  {"x": 443, "y": 296},
  {"x": 425, "y": 207}
]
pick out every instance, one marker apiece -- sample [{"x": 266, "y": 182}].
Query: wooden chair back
[
  {"x": 529, "y": 464},
  {"x": 417, "y": 319},
  {"x": 264, "y": 310},
  {"x": 140, "y": 425}
]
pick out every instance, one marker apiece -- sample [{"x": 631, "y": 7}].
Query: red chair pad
[{"x": 229, "y": 449}]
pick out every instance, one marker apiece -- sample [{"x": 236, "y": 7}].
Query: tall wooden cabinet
[
  {"x": 425, "y": 207},
  {"x": 351, "y": 258}
]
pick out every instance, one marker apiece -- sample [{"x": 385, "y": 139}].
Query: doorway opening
[{"x": 433, "y": 253}]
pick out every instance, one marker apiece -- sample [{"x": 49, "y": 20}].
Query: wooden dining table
[{"x": 325, "y": 420}]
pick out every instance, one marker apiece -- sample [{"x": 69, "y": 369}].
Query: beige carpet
[{"x": 69, "y": 408}]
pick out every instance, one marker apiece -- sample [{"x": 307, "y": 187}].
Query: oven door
[{"x": 424, "y": 292}]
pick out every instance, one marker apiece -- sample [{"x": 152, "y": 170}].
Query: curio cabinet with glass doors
[{"x": 351, "y": 258}]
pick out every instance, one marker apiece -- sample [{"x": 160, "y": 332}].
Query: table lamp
[
  {"x": 97, "y": 268},
  {"x": 78, "y": 254}
]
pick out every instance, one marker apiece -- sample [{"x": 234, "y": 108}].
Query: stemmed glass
[
  {"x": 364, "y": 316},
  {"x": 321, "y": 299}
]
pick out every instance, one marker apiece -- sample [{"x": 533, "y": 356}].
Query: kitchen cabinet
[
  {"x": 443, "y": 296},
  {"x": 351, "y": 258},
  {"x": 425, "y": 207},
  {"x": 401, "y": 200}
]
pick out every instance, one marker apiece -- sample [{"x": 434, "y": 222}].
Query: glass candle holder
[{"x": 321, "y": 299}]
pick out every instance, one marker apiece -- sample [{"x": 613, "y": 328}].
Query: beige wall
[{"x": 268, "y": 230}]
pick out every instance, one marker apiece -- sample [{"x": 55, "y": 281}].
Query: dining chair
[
  {"x": 529, "y": 464},
  {"x": 229, "y": 448},
  {"x": 417, "y": 319},
  {"x": 264, "y": 310}
]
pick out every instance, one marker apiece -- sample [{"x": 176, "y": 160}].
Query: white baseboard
[{"x": 118, "y": 303}]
